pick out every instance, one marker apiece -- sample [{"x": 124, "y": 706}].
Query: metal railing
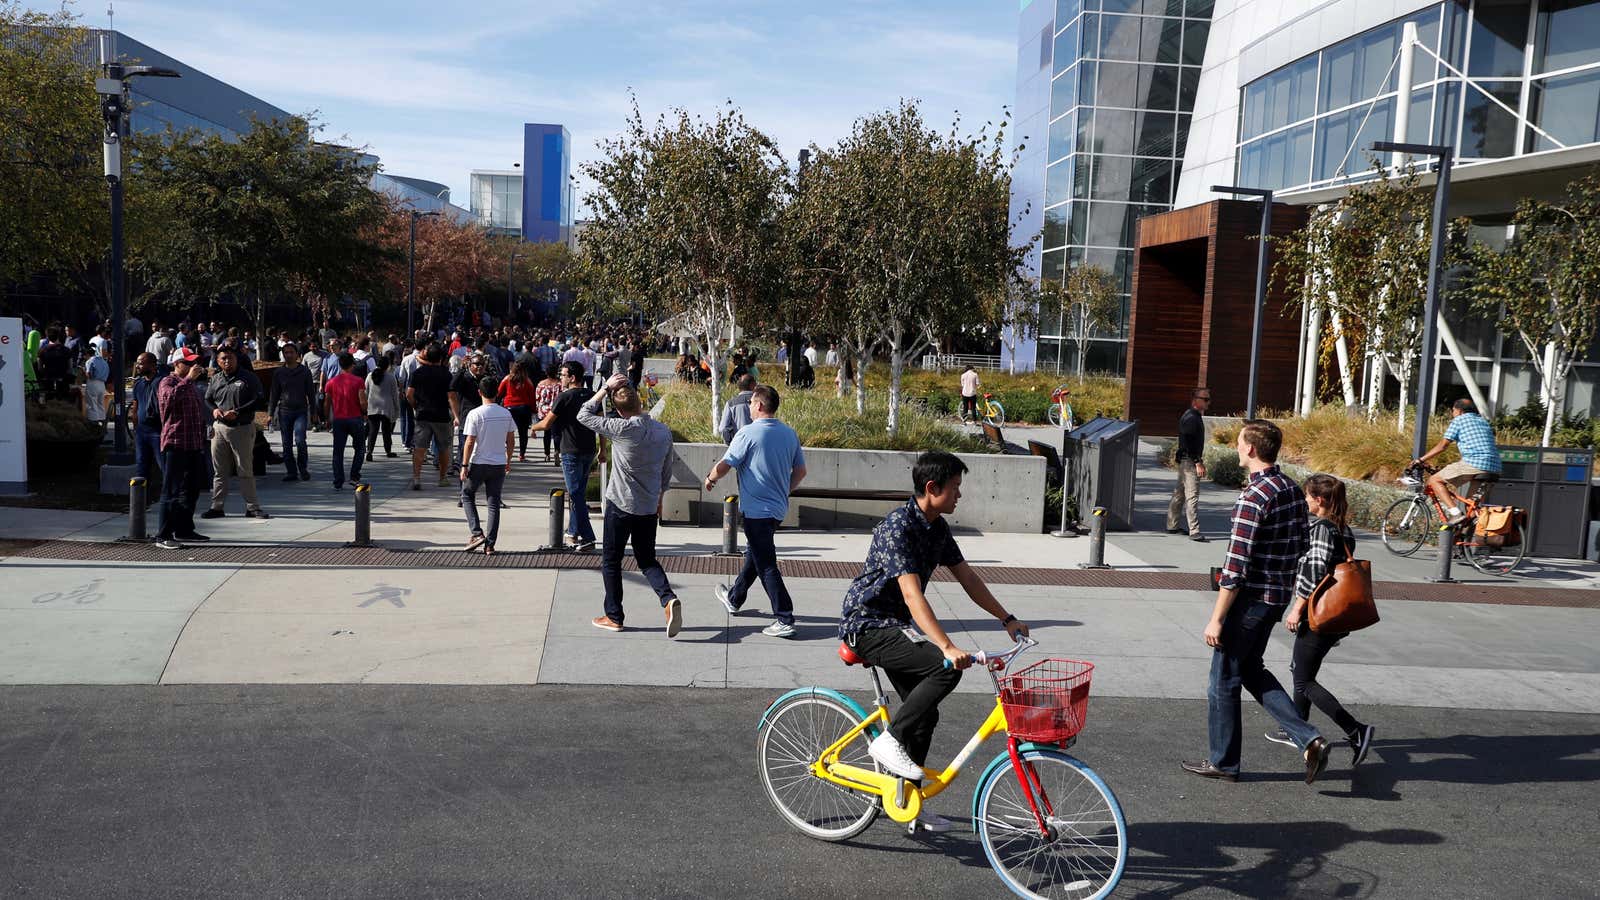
[{"x": 941, "y": 362}]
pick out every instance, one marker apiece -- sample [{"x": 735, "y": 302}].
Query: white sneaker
[
  {"x": 779, "y": 629},
  {"x": 889, "y": 754},
  {"x": 934, "y": 823},
  {"x": 724, "y": 593}
]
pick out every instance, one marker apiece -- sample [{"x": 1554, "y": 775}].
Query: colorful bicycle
[
  {"x": 1411, "y": 522},
  {"x": 1049, "y": 826},
  {"x": 1061, "y": 408}
]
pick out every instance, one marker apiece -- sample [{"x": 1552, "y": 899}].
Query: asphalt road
[{"x": 411, "y": 792}]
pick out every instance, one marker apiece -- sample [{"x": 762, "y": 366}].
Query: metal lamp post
[
  {"x": 411, "y": 274},
  {"x": 1430, "y": 321},
  {"x": 115, "y": 104},
  {"x": 1261, "y": 285},
  {"x": 511, "y": 269}
]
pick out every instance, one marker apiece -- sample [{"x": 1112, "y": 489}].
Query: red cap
[{"x": 185, "y": 354}]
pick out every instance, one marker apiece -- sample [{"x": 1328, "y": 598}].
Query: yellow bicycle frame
[{"x": 902, "y": 800}]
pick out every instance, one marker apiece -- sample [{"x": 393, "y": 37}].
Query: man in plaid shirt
[{"x": 1269, "y": 537}]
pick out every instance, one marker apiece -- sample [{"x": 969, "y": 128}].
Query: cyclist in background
[
  {"x": 1479, "y": 456},
  {"x": 889, "y": 623}
]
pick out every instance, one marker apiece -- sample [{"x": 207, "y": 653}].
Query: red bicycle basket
[{"x": 1048, "y": 701}]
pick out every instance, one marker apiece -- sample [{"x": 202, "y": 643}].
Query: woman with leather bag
[{"x": 1331, "y": 543}]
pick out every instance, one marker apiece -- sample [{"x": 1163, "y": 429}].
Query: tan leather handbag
[{"x": 1342, "y": 602}]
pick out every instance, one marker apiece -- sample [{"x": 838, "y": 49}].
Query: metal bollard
[
  {"x": 1064, "y": 531},
  {"x": 363, "y": 516},
  {"x": 137, "y": 501},
  {"x": 1097, "y": 540},
  {"x": 1447, "y": 550},
  {"x": 730, "y": 526},
  {"x": 558, "y": 513}
]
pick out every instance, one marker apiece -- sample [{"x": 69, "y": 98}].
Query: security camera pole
[{"x": 115, "y": 105}]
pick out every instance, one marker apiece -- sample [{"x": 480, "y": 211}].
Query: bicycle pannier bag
[
  {"x": 1342, "y": 602},
  {"x": 1498, "y": 526}
]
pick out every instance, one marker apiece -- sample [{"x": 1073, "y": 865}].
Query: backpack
[{"x": 1500, "y": 526}]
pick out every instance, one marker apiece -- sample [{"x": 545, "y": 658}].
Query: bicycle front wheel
[
  {"x": 791, "y": 739},
  {"x": 1055, "y": 414},
  {"x": 1406, "y": 526},
  {"x": 1083, "y": 848}
]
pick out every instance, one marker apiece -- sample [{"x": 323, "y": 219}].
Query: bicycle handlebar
[{"x": 1001, "y": 659}]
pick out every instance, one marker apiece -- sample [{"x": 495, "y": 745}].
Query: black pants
[
  {"x": 549, "y": 436},
  {"x": 374, "y": 423},
  {"x": 184, "y": 474},
  {"x": 969, "y": 407},
  {"x": 620, "y": 527},
  {"x": 1310, "y": 648},
  {"x": 523, "y": 416},
  {"x": 918, "y": 674}
]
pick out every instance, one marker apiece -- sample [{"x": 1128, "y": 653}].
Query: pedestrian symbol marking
[{"x": 381, "y": 592}]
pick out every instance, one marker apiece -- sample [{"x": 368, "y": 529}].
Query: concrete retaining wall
[{"x": 999, "y": 493}]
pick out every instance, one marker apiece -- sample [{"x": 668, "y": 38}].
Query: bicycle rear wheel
[
  {"x": 1055, "y": 414},
  {"x": 1406, "y": 526},
  {"x": 1084, "y": 848},
  {"x": 1496, "y": 560},
  {"x": 792, "y": 737},
  {"x": 994, "y": 413}
]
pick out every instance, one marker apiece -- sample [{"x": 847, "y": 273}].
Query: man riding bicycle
[
  {"x": 1479, "y": 456},
  {"x": 889, "y": 623}
]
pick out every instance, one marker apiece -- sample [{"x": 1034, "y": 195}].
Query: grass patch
[
  {"x": 1341, "y": 443},
  {"x": 823, "y": 420},
  {"x": 1025, "y": 396}
]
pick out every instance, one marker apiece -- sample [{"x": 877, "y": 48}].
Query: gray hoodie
[
  {"x": 735, "y": 416},
  {"x": 641, "y": 457}
]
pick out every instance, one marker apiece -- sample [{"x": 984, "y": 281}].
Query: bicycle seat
[
  {"x": 1487, "y": 477},
  {"x": 850, "y": 657}
]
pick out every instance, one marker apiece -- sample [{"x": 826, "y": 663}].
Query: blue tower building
[{"x": 547, "y": 200}]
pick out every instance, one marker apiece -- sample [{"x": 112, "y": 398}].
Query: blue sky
[{"x": 437, "y": 89}]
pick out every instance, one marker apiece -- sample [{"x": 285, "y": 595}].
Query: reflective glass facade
[
  {"x": 1124, "y": 74},
  {"x": 497, "y": 201},
  {"x": 1314, "y": 120}
]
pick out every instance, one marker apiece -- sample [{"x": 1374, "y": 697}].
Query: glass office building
[
  {"x": 1122, "y": 80},
  {"x": 536, "y": 201},
  {"x": 496, "y": 198},
  {"x": 194, "y": 100}
]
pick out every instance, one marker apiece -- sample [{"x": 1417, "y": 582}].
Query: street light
[
  {"x": 115, "y": 104},
  {"x": 1430, "y": 322},
  {"x": 511, "y": 269},
  {"x": 411, "y": 274},
  {"x": 1261, "y": 284}
]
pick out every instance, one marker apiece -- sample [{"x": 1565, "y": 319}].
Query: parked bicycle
[
  {"x": 1049, "y": 826},
  {"x": 990, "y": 411},
  {"x": 1061, "y": 408},
  {"x": 1411, "y": 522}
]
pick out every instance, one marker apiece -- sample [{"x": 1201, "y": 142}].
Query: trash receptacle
[
  {"x": 1552, "y": 484},
  {"x": 1104, "y": 456}
]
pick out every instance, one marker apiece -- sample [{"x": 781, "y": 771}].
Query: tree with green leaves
[
  {"x": 1545, "y": 285},
  {"x": 1092, "y": 302},
  {"x": 52, "y": 196},
  {"x": 270, "y": 213},
  {"x": 1363, "y": 261},
  {"x": 686, "y": 218},
  {"x": 916, "y": 225}
]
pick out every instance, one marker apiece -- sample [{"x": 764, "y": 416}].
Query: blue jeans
[
  {"x": 761, "y": 560},
  {"x": 292, "y": 425},
  {"x": 575, "y": 469},
  {"x": 1237, "y": 664},
  {"x": 619, "y": 528},
  {"x": 146, "y": 452},
  {"x": 354, "y": 431}
]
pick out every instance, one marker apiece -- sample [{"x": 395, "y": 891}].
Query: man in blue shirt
[
  {"x": 1479, "y": 456},
  {"x": 888, "y": 621},
  {"x": 767, "y": 454}
]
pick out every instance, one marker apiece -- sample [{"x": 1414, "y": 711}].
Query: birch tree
[
  {"x": 1545, "y": 286},
  {"x": 1093, "y": 303},
  {"x": 686, "y": 216},
  {"x": 917, "y": 228}
]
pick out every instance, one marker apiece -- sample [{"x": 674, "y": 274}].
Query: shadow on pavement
[{"x": 1171, "y": 859}]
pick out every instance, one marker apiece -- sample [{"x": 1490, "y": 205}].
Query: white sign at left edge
[{"x": 13, "y": 420}]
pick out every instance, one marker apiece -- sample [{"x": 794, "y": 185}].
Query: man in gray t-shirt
[{"x": 641, "y": 469}]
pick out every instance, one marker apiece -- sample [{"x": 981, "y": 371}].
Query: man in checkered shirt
[
  {"x": 1479, "y": 456},
  {"x": 1268, "y": 539}
]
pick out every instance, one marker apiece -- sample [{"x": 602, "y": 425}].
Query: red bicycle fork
[{"x": 1031, "y": 789}]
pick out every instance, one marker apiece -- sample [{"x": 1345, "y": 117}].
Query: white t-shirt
[
  {"x": 811, "y": 355},
  {"x": 969, "y": 384},
  {"x": 490, "y": 424}
]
